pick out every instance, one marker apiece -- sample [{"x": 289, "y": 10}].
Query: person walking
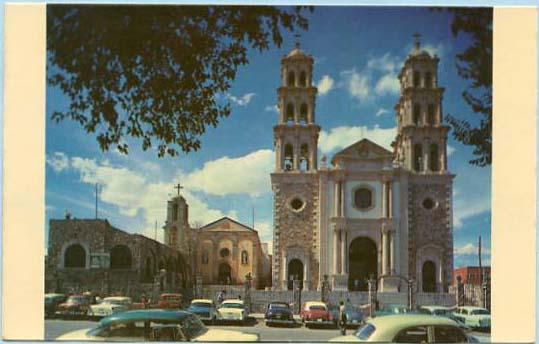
[
  {"x": 221, "y": 297},
  {"x": 342, "y": 318}
]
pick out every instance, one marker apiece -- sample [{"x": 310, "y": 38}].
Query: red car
[
  {"x": 170, "y": 301},
  {"x": 315, "y": 313},
  {"x": 75, "y": 305}
]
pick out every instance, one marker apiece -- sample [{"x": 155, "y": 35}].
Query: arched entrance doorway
[
  {"x": 225, "y": 276},
  {"x": 75, "y": 257},
  {"x": 295, "y": 272},
  {"x": 362, "y": 263},
  {"x": 428, "y": 277}
]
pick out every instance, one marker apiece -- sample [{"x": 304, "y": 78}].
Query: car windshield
[
  {"x": 441, "y": 312},
  {"x": 201, "y": 304},
  {"x": 76, "y": 299},
  {"x": 232, "y": 305},
  {"x": 480, "y": 312},
  {"x": 278, "y": 306},
  {"x": 317, "y": 308},
  {"x": 365, "y": 331}
]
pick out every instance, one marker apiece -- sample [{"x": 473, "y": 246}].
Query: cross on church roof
[
  {"x": 417, "y": 41},
  {"x": 178, "y": 187},
  {"x": 298, "y": 36}
]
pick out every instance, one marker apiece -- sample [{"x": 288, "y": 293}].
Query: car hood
[
  {"x": 349, "y": 338},
  {"x": 107, "y": 306},
  {"x": 77, "y": 335},
  {"x": 195, "y": 309},
  {"x": 215, "y": 335},
  {"x": 230, "y": 310}
]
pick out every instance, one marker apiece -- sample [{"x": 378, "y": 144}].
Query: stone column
[
  {"x": 390, "y": 199},
  {"x": 312, "y": 158},
  {"x": 335, "y": 251},
  {"x": 384, "y": 200},
  {"x": 343, "y": 251},
  {"x": 284, "y": 267},
  {"x": 385, "y": 251},
  {"x": 392, "y": 252},
  {"x": 343, "y": 205},
  {"x": 337, "y": 198},
  {"x": 278, "y": 154},
  {"x": 426, "y": 164},
  {"x": 296, "y": 156},
  {"x": 306, "y": 275}
]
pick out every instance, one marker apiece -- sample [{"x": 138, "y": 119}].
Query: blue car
[
  {"x": 354, "y": 317},
  {"x": 279, "y": 313},
  {"x": 205, "y": 310}
]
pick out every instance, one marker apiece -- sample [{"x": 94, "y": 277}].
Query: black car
[
  {"x": 279, "y": 313},
  {"x": 51, "y": 302}
]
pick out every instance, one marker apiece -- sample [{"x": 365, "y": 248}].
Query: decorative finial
[
  {"x": 298, "y": 36},
  {"x": 417, "y": 41},
  {"x": 178, "y": 187}
]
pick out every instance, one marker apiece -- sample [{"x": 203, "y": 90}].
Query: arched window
[
  {"x": 75, "y": 257},
  {"x": 433, "y": 158},
  {"x": 303, "y": 79},
  {"x": 417, "y": 113},
  {"x": 120, "y": 257},
  {"x": 244, "y": 257},
  {"x": 303, "y": 113},
  {"x": 225, "y": 252},
  {"x": 205, "y": 257},
  {"x": 418, "y": 160},
  {"x": 291, "y": 79},
  {"x": 304, "y": 157},
  {"x": 428, "y": 273},
  {"x": 290, "y": 112},
  {"x": 148, "y": 271},
  {"x": 416, "y": 80},
  {"x": 430, "y": 114},
  {"x": 288, "y": 157},
  {"x": 428, "y": 80},
  {"x": 363, "y": 198}
]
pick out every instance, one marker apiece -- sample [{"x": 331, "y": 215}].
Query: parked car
[
  {"x": 444, "y": 312},
  {"x": 51, "y": 303},
  {"x": 390, "y": 309},
  {"x": 409, "y": 328},
  {"x": 155, "y": 325},
  {"x": 232, "y": 309},
  {"x": 74, "y": 306},
  {"x": 169, "y": 301},
  {"x": 279, "y": 313},
  {"x": 110, "y": 305},
  {"x": 204, "y": 309},
  {"x": 315, "y": 313},
  {"x": 474, "y": 317},
  {"x": 354, "y": 317}
]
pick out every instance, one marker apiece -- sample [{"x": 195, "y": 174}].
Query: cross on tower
[
  {"x": 417, "y": 42},
  {"x": 298, "y": 36},
  {"x": 178, "y": 187}
]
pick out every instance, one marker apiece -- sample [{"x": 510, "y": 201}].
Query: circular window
[
  {"x": 225, "y": 252},
  {"x": 363, "y": 198},
  {"x": 428, "y": 203},
  {"x": 296, "y": 204}
]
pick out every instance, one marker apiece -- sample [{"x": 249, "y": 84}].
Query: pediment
[
  {"x": 226, "y": 224},
  {"x": 363, "y": 150}
]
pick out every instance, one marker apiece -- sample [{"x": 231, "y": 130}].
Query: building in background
[
  {"x": 373, "y": 213},
  {"x": 471, "y": 275}
]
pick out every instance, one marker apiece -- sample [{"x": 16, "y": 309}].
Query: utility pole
[
  {"x": 253, "y": 216},
  {"x": 96, "y": 197},
  {"x": 480, "y": 267}
]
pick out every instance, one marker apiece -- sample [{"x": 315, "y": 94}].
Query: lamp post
[{"x": 411, "y": 302}]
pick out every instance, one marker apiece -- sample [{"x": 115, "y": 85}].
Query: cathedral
[{"x": 368, "y": 213}]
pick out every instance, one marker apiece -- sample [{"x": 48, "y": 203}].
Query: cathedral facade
[{"x": 368, "y": 213}]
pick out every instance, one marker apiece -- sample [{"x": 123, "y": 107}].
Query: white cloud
[
  {"x": 470, "y": 249},
  {"x": 467, "y": 206},
  {"x": 341, "y": 137},
  {"x": 325, "y": 85},
  {"x": 450, "y": 150},
  {"x": 356, "y": 84},
  {"x": 242, "y": 100},
  {"x": 388, "y": 84},
  {"x": 58, "y": 161},
  {"x": 381, "y": 112},
  {"x": 247, "y": 174},
  {"x": 385, "y": 63},
  {"x": 272, "y": 108}
]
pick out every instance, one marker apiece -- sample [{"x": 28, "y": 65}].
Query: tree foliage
[
  {"x": 474, "y": 64},
  {"x": 154, "y": 73}
]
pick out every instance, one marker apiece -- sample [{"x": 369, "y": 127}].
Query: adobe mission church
[{"x": 370, "y": 212}]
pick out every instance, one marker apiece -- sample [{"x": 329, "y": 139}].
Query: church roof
[
  {"x": 226, "y": 224},
  {"x": 364, "y": 149}
]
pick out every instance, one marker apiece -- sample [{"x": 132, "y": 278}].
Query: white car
[
  {"x": 474, "y": 317},
  {"x": 110, "y": 305},
  {"x": 155, "y": 325},
  {"x": 232, "y": 309},
  {"x": 409, "y": 328}
]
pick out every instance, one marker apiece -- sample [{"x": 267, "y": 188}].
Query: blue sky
[{"x": 357, "y": 52}]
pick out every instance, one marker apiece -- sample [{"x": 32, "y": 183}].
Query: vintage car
[
  {"x": 75, "y": 306},
  {"x": 232, "y": 309},
  {"x": 169, "y": 301},
  {"x": 279, "y": 313},
  {"x": 204, "y": 309},
  {"x": 155, "y": 325},
  {"x": 315, "y": 313},
  {"x": 391, "y": 309},
  {"x": 474, "y": 317},
  {"x": 51, "y": 302},
  {"x": 443, "y": 312},
  {"x": 110, "y": 305},
  {"x": 354, "y": 317},
  {"x": 409, "y": 328}
]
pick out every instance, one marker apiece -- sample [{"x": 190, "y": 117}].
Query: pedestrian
[
  {"x": 221, "y": 297},
  {"x": 342, "y": 318}
]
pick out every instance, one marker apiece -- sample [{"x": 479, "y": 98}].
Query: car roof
[
  {"x": 202, "y": 300},
  {"x": 473, "y": 308},
  {"x": 54, "y": 295},
  {"x": 314, "y": 303},
  {"x": 279, "y": 303},
  {"x": 145, "y": 314},
  {"x": 233, "y": 301},
  {"x": 171, "y": 294},
  {"x": 119, "y": 298},
  {"x": 405, "y": 320},
  {"x": 432, "y": 307}
]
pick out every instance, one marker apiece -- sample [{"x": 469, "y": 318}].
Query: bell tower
[
  {"x": 420, "y": 151},
  {"x": 295, "y": 179},
  {"x": 177, "y": 229}
]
